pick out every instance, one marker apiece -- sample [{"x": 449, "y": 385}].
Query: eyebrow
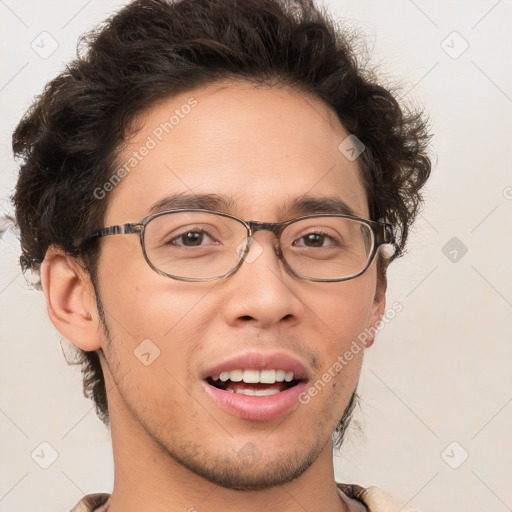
[
  {"x": 202, "y": 201},
  {"x": 302, "y": 205}
]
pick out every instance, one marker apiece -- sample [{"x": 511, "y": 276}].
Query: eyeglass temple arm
[
  {"x": 121, "y": 229},
  {"x": 390, "y": 234},
  {"x": 385, "y": 234}
]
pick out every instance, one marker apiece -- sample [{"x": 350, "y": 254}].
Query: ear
[
  {"x": 70, "y": 299},
  {"x": 378, "y": 309}
]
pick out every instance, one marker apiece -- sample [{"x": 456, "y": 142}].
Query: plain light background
[{"x": 436, "y": 411}]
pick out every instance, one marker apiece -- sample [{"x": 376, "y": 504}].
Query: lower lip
[{"x": 256, "y": 408}]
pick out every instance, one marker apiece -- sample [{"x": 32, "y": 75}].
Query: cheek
[
  {"x": 343, "y": 308},
  {"x": 154, "y": 327},
  {"x": 146, "y": 312},
  {"x": 137, "y": 299}
]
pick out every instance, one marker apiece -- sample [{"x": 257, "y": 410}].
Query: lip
[
  {"x": 256, "y": 408},
  {"x": 259, "y": 361}
]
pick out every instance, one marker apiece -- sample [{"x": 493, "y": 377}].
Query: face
[{"x": 259, "y": 149}]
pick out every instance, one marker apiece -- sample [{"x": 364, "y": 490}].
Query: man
[{"x": 212, "y": 193}]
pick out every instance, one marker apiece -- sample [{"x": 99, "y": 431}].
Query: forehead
[{"x": 260, "y": 147}]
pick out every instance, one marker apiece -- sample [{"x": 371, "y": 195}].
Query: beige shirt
[{"x": 358, "y": 499}]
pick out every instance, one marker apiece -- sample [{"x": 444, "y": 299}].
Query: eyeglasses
[{"x": 205, "y": 245}]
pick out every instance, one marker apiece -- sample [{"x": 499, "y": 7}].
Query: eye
[
  {"x": 317, "y": 239},
  {"x": 192, "y": 238}
]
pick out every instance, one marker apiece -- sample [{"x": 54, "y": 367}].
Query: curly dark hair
[{"x": 68, "y": 141}]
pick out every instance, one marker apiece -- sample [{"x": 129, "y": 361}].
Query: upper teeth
[{"x": 255, "y": 376}]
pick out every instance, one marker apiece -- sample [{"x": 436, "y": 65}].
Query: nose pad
[
  {"x": 250, "y": 249},
  {"x": 253, "y": 250},
  {"x": 243, "y": 247},
  {"x": 277, "y": 250}
]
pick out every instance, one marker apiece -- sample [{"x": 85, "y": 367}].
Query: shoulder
[
  {"x": 374, "y": 498},
  {"x": 92, "y": 503}
]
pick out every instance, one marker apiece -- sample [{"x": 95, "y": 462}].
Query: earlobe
[{"x": 70, "y": 299}]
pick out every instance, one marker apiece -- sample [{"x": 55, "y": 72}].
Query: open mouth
[{"x": 254, "y": 382}]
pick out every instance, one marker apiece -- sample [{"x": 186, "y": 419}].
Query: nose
[{"x": 262, "y": 292}]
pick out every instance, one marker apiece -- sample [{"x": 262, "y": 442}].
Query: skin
[{"x": 174, "y": 449}]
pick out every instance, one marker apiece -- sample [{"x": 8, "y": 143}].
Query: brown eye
[
  {"x": 317, "y": 239},
  {"x": 197, "y": 238}
]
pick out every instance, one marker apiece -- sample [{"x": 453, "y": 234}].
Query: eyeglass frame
[{"x": 382, "y": 234}]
